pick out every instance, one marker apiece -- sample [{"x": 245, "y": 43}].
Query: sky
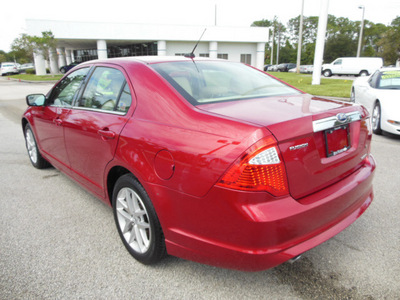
[{"x": 182, "y": 12}]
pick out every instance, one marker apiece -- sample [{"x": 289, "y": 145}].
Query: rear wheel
[
  {"x": 137, "y": 221},
  {"x": 364, "y": 73},
  {"x": 376, "y": 119},
  {"x": 33, "y": 151},
  {"x": 353, "y": 96}
]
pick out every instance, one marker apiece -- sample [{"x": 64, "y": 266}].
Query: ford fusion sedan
[
  {"x": 207, "y": 160},
  {"x": 380, "y": 94}
]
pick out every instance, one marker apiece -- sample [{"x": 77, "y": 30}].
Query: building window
[
  {"x": 245, "y": 58},
  {"x": 139, "y": 49},
  {"x": 180, "y": 54},
  {"x": 204, "y": 55},
  {"x": 223, "y": 55}
]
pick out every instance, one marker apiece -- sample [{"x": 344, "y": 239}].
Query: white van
[{"x": 362, "y": 66}]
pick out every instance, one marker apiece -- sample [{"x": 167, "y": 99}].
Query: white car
[
  {"x": 8, "y": 68},
  {"x": 380, "y": 94}
]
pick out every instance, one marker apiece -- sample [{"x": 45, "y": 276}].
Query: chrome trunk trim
[{"x": 324, "y": 124}]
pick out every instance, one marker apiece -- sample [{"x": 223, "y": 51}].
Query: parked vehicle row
[
  {"x": 208, "y": 160},
  {"x": 289, "y": 67}
]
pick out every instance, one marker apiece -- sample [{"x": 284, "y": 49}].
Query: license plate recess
[{"x": 337, "y": 140}]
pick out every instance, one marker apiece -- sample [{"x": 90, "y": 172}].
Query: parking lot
[{"x": 59, "y": 242}]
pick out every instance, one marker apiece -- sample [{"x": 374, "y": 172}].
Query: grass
[
  {"x": 30, "y": 77},
  {"x": 328, "y": 87}
]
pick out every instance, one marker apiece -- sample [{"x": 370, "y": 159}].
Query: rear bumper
[{"x": 253, "y": 231}]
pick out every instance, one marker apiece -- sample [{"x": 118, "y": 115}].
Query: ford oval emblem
[{"x": 341, "y": 117}]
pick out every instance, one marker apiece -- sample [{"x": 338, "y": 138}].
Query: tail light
[{"x": 260, "y": 168}]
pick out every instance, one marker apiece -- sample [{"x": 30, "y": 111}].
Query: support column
[
  {"x": 260, "y": 56},
  {"x": 68, "y": 56},
  {"x": 40, "y": 65},
  {"x": 213, "y": 49},
  {"x": 320, "y": 44},
  {"x": 102, "y": 49},
  {"x": 53, "y": 61},
  {"x": 61, "y": 57},
  {"x": 161, "y": 48}
]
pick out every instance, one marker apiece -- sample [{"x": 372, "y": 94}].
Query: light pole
[{"x": 361, "y": 30}]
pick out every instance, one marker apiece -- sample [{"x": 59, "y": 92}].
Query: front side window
[
  {"x": 338, "y": 62},
  {"x": 373, "y": 80},
  {"x": 103, "y": 89},
  {"x": 202, "y": 82},
  {"x": 63, "y": 94}
]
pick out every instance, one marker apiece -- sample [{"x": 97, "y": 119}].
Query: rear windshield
[{"x": 203, "y": 82}]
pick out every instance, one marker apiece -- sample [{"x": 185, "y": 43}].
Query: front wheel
[
  {"x": 34, "y": 154},
  {"x": 376, "y": 119},
  {"x": 137, "y": 221},
  {"x": 327, "y": 73}
]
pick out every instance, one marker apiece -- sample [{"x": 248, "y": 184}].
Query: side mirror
[{"x": 35, "y": 100}]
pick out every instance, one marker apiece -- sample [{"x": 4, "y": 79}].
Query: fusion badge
[{"x": 298, "y": 146}]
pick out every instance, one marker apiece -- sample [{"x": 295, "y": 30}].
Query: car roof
[{"x": 151, "y": 59}]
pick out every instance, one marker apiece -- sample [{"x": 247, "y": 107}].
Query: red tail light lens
[{"x": 260, "y": 168}]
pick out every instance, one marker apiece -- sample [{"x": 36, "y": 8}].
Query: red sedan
[{"x": 208, "y": 160}]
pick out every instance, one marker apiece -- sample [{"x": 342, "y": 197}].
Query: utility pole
[
  {"x": 215, "y": 23},
  {"x": 272, "y": 48},
  {"x": 278, "y": 44},
  {"x": 319, "y": 47},
  {"x": 361, "y": 31},
  {"x": 299, "y": 46}
]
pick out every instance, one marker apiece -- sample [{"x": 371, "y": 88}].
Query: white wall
[{"x": 234, "y": 50}]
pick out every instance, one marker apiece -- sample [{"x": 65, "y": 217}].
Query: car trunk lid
[{"x": 321, "y": 141}]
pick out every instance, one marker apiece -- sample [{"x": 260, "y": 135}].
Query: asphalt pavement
[{"x": 57, "y": 241}]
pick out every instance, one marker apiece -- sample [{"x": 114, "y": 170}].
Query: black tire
[
  {"x": 62, "y": 70},
  {"x": 137, "y": 222},
  {"x": 364, "y": 73},
  {"x": 376, "y": 119},
  {"x": 327, "y": 73},
  {"x": 35, "y": 157}
]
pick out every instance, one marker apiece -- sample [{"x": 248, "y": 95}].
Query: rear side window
[{"x": 106, "y": 90}]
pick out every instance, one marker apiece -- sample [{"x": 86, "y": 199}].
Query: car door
[
  {"x": 337, "y": 66},
  {"x": 49, "y": 118},
  {"x": 94, "y": 123}
]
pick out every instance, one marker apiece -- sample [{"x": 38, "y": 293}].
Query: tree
[
  {"x": 277, "y": 33},
  {"x": 390, "y": 43},
  {"x": 31, "y": 45}
]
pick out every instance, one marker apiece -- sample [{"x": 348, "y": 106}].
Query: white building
[{"x": 81, "y": 41}]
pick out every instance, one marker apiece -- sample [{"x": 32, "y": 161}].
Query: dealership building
[{"x": 82, "y": 41}]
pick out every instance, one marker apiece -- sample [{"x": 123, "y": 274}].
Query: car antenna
[{"x": 191, "y": 54}]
